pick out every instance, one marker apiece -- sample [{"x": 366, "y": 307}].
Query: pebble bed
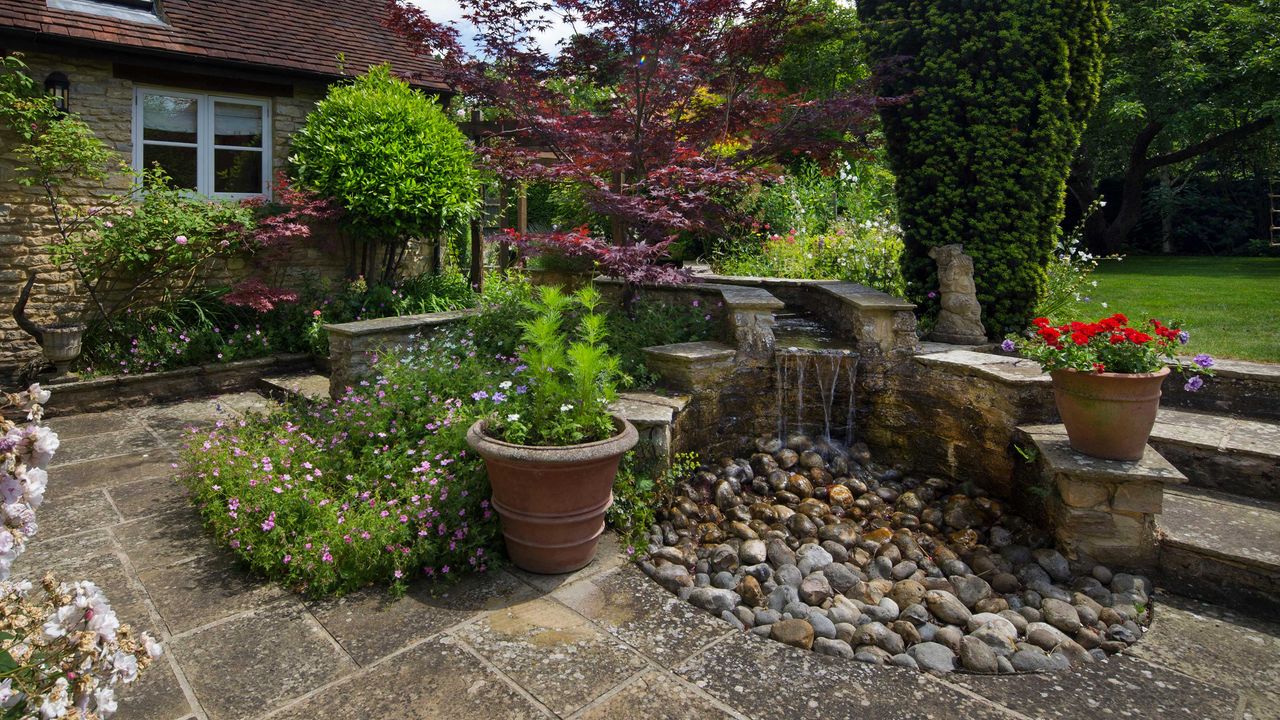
[{"x": 818, "y": 547}]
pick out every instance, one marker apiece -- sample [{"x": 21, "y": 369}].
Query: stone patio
[{"x": 605, "y": 642}]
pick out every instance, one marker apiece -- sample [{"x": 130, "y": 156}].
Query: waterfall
[{"x": 796, "y": 369}]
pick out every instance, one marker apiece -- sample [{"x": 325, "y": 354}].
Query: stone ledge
[
  {"x": 1004, "y": 368},
  {"x": 693, "y": 366},
  {"x": 1051, "y": 442},
  {"x": 118, "y": 391},
  {"x": 403, "y": 323},
  {"x": 702, "y": 351},
  {"x": 852, "y": 293}
]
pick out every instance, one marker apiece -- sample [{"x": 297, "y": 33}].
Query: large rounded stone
[
  {"x": 1045, "y": 636},
  {"x": 977, "y": 656},
  {"x": 796, "y": 633},
  {"x": 753, "y": 552},
  {"x": 946, "y": 607},
  {"x": 833, "y": 647},
  {"x": 815, "y": 590},
  {"x": 970, "y": 589},
  {"x": 751, "y": 592},
  {"x": 714, "y": 600},
  {"x": 907, "y": 593},
  {"x": 1061, "y": 615},
  {"x": 933, "y": 657},
  {"x": 840, "y": 577},
  {"x": 673, "y": 577}
]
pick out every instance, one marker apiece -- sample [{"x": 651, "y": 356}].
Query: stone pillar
[
  {"x": 750, "y": 314},
  {"x": 1104, "y": 509}
]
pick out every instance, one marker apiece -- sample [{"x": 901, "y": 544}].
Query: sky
[{"x": 443, "y": 10}]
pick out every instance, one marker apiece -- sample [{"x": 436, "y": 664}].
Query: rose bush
[{"x": 62, "y": 648}]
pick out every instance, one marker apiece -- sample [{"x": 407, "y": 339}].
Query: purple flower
[
  {"x": 499, "y": 397},
  {"x": 479, "y": 395},
  {"x": 1194, "y": 384},
  {"x": 1008, "y": 346},
  {"x": 932, "y": 294},
  {"x": 1203, "y": 360},
  {"x": 1184, "y": 337}
]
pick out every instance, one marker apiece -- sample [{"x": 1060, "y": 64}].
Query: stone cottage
[{"x": 210, "y": 89}]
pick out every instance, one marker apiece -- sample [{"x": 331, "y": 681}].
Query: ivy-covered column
[{"x": 997, "y": 94}]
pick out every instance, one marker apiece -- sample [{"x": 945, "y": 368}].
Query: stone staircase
[{"x": 1220, "y": 532}]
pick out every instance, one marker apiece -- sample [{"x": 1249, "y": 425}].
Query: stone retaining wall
[{"x": 353, "y": 346}]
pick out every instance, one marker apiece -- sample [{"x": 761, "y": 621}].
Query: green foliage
[
  {"x": 377, "y": 488},
  {"x": 868, "y": 254},
  {"x": 572, "y": 377},
  {"x": 504, "y": 304},
  {"x": 639, "y": 490},
  {"x": 392, "y": 158},
  {"x": 198, "y": 327},
  {"x": 651, "y": 321},
  {"x": 824, "y": 54},
  {"x": 1067, "y": 277},
  {"x": 170, "y": 233},
  {"x": 24, "y": 108},
  {"x": 997, "y": 97}
]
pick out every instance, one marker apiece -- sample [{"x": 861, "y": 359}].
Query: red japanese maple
[{"x": 662, "y": 111}]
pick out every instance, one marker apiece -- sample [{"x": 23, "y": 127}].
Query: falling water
[{"x": 808, "y": 353}]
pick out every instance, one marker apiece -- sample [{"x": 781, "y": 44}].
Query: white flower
[
  {"x": 153, "y": 647},
  {"x": 566, "y": 407},
  {"x": 57, "y": 702},
  {"x": 8, "y": 698},
  {"x": 505, "y": 384},
  {"x": 1104, "y": 304},
  {"x": 37, "y": 480},
  {"x": 61, "y": 621},
  {"x": 38, "y": 396},
  {"x": 124, "y": 667},
  {"x": 105, "y": 698},
  {"x": 513, "y": 417}
]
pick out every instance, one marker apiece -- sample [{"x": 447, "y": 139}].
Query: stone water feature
[{"x": 802, "y": 537}]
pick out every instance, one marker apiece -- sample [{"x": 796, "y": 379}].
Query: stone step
[
  {"x": 309, "y": 387},
  {"x": 654, "y": 416},
  {"x": 1221, "y": 548},
  {"x": 1218, "y": 452}
]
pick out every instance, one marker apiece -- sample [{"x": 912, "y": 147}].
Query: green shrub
[
  {"x": 653, "y": 321},
  {"x": 391, "y": 157},
  {"x": 995, "y": 99}
]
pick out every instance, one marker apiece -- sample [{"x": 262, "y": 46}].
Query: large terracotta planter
[
  {"x": 552, "y": 500},
  {"x": 1108, "y": 415}
]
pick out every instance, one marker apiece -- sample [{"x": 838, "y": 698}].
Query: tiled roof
[{"x": 291, "y": 35}]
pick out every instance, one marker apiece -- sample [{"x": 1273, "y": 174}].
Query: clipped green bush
[
  {"x": 996, "y": 97},
  {"x": 388, "y": 153}
]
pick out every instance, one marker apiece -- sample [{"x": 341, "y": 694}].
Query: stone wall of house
[{"x": 27, "y": 228}]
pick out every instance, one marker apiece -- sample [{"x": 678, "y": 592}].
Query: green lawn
[{"x": 1229, "y": 305}]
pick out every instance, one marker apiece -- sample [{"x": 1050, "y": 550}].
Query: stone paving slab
[
  {"x": 1231, "y": 530},
  {"x": 765, "y": 679},
  {"x": 601, "y": 643},
  {"x": 1218, "y": 647},
  {"x": 436, "y": 679},
  {"x": 256, "y": 661},
  {"x": 634, "y": 609},
  {"x": 559, "y": 656},
  {"x": 1121, "y": 687}
]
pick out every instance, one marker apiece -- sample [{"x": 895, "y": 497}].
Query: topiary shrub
[
  {"x": 389, "y": 155},
  {"x": 999, "y": 92}
]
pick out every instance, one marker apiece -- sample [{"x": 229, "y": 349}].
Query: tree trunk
[
  {"x": 1166, "y": 211},
  {"x": 1131, "y": 191}
]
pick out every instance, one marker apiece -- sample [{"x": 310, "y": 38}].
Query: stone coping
[
  {"x": 1004, "y": 368},
  {"x": 852, "y": 293},
  {"x": 402, "y": 323},
  {"x": 1051, "y": 441},
  {"x": 645, "y": 409},
  {"x": 116, "y": 391},
  {"x": 735, "y": 296},
  {"x": 692, "y": 352},
  {"x": 1244, "y": 370}
]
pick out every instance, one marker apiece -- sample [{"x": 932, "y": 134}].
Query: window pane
[
  {"x": 237, "y": 171},
  {"x": 237, "y": 124},
  {"x": 169, "y": 118},
  {"x": 178, "y": 162}
]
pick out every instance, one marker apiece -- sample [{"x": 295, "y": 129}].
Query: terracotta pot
[
  {"x": 1108, "y": 415},
  {"x": 552, "y": 500}
]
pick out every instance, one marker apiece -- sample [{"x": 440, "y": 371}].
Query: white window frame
[{"x": 204, "y": 137}]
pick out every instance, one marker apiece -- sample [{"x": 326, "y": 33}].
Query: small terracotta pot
[
  {"x": 1108, "y": 415},
  {"x": 552, "y": 500}
]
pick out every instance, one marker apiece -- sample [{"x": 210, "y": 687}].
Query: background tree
[
  {"x": 395, "y": 163},
  {"x": 1184, "y": 79},
  {"x": 999, "y": 93},
  {"x": 682, "y": 113}
]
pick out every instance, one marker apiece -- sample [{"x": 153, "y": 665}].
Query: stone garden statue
[{"x": 960, "y": 321}]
